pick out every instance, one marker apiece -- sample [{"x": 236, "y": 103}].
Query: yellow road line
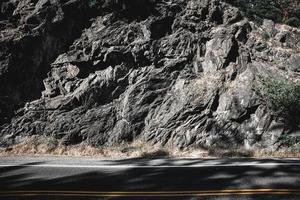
[{"x": 152, "y": 193}]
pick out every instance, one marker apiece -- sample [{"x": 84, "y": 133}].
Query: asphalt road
[{"x": 91, "y": 178}]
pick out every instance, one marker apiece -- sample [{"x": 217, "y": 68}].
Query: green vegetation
[
  {"x": 92, "y": 3},
  {"x": 288, "y": 140},
  {"x": 280, "y": 11},
  {"x": 282, "y": 97},
  {"x": 293, "y": 21},
  {"x": 49, "y": 141}
]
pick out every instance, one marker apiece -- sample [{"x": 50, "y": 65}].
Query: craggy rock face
[
  {"x": 32, "y": 34},
  {"x": 177, "y": 72}
]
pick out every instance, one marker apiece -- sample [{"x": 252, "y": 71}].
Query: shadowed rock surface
[{"x": 110, "y": 71}]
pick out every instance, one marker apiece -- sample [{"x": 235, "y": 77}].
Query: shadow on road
[{"x": 24, "y": 177}]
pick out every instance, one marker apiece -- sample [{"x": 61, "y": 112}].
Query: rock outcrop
[{"x": 177, "y": 72}]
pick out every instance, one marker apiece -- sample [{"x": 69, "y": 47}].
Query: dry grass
[
  {"x": 276, "y": 154},
  {"x": 259, "y": 153},
  {"x": 138, "y": 149},
  {"x": 49, "y": 146}
]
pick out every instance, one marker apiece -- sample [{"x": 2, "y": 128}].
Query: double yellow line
[{"x": 151, "y": 193}]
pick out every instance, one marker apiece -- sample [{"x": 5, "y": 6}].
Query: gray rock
[
  {"x": 177, "y": 72},
  {"x": 294, "y": 63},
  {"x": 220, "y": 51}
]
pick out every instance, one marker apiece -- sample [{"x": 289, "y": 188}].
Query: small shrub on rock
[
  {"x": 280, "y": 11},
  {"x": 92, "y": 3},
  {"x": 293, "y": 21},
  {"x": 282, "y": 98}
]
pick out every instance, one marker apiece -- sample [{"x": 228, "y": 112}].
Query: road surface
[{"x": 194, "y": 179}]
